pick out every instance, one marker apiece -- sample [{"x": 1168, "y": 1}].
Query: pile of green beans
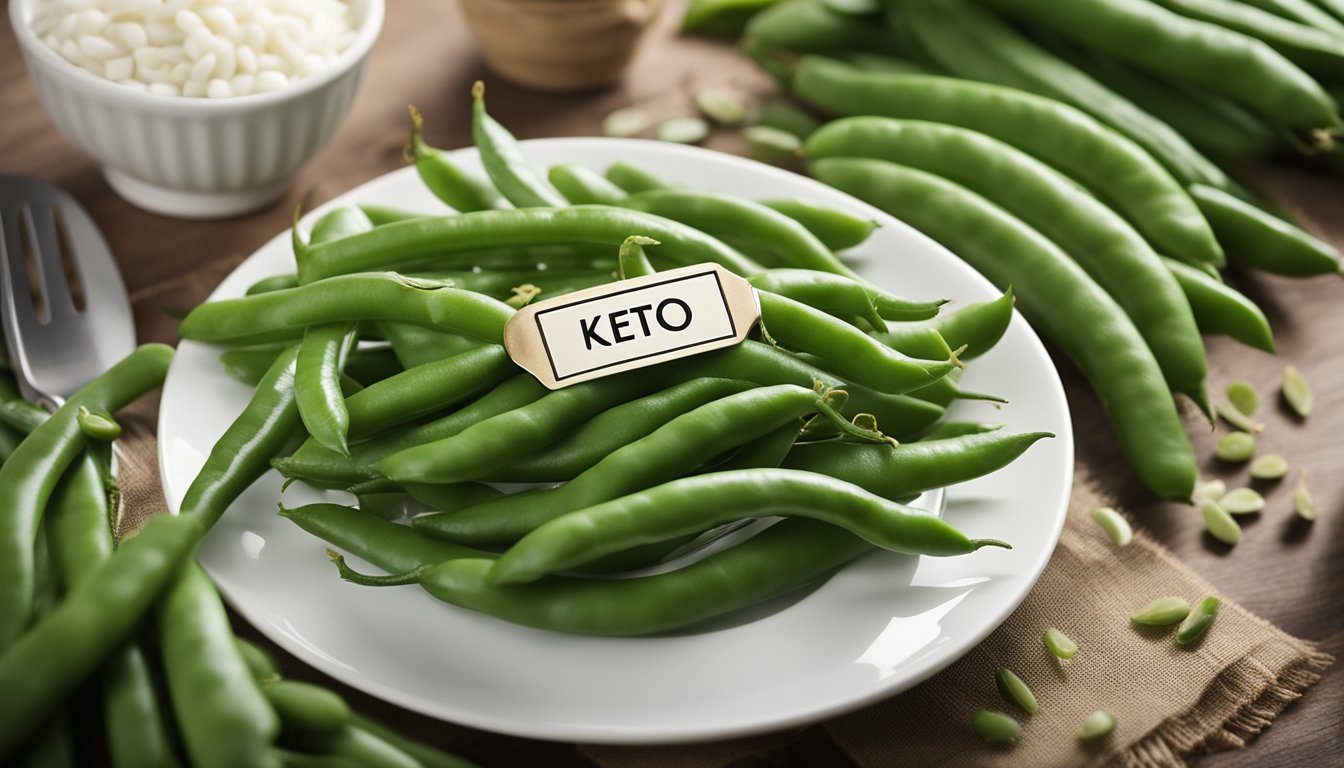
[
  {"x": 665, "y": 454},
  {"x": 191, "y": 697},
  {"x": 1111, "y": 133}
]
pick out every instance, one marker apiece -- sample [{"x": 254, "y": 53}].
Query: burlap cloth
[{"x": 1170, "y": 702}]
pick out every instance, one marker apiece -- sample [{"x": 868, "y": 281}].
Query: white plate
[{"x": 878, "y": 627}]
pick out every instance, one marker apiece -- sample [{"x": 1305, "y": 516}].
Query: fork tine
[
  {"x": 17, "y": 295},
  {"x": 50, "y": 263},
  {"x": 102, "y": 282}
]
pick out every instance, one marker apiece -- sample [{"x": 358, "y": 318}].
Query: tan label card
[{"x": 632, "y": 324}]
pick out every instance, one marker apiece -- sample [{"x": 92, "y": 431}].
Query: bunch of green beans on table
[
  {"x": 815, "y": 418},
  {"x": 190, "y": 698}
]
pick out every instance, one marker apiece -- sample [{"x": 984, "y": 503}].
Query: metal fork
[{"x": 65, "y": 311}]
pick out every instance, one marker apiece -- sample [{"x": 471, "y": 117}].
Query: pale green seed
[
  {"x": 1210, "y": 490},
  {"x": 1238, "y": 447},
  {"x": 1221, "y": 525},
  {"x": 1232, "y": 415},
  {"x": 99, "y": 426},
  {"x": 1162, "y": 612},
  {"x": 771, "y": 145},
  {"x": 995, "y": 727},
  {"x": 626, "y": 122},
  {"x": 1296, "y": 391},
  {"x": 721, "y": 105},
  {"x": 1197, "y": 623},
  {"x": 1060, "y": 644},
  {"x": 1306, "y": 506},
  {"x": 1096, "y": 725},
  {"x": 1014, "y": 691},
  {"x": 1271, "y": 466},
  {"x": 1242, "y": 501},
  {"x": 1114, "y": 524},
  {"x": 1243, "y": 397},
  {"x": 683, "y": 130}
]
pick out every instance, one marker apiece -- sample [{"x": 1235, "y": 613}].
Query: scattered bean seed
[
  {"x": 1221, "y": 524},
  {"x": 771, "y": 144},
  {"x": 1296, "y": 391},
  {"x": 99, "y": 426},
  {"x": 683, "y": 130},
  {"x": 1114, "y": 524},
  {"x": 721, "y": 105},
  {"x": 1271, "y": 466},
  {"x": 1162, "y": 612},
  {"x": 624, "y": 123},
  {"x": 1015, "y": 691},
  {"x": 1097, "y": 725},
  {"x": 1238, "y": 447},
  {"x": 1242, "y": 501},
  {"x": 1243, "y": 397},
  {"x": 995, "y": 727},
  {"x": 1233, "y": 415},
  {"x": 1210, "y": 490},
  {"x": 1306, "y": 506},
  {"x": 1060, "y": 644},
  {"x": 1197, "y": 623}
]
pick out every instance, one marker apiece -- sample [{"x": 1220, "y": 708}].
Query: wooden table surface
[{"x": 1286, "y": 571}]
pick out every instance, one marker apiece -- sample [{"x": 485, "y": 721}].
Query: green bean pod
[
  {"x": 387, "y": 545},
  {"x": 633, "y": 179},
  {"x": 1185, "y": 49},
  {"x": 610, "y": 430},
  {"x": 427, "y": 756},
  {"x": 584, "y": 186},
  {"x": 359, "y": 747},
  {"x": 504, "y": 161},
  {"x": 417, "y": 241},
  {"x": 317, "y": 383},
  {"x": 838, "y": 295},
  {"x": 747, "y": 224},
  {"x": 1315, "y": 50},
  {"x": 338, "y": 223},
  {"x": 1221, "y": 309},
  {"x": 1313, "y": 14},
  {"x": 1263, "y": 241},
  {"x": 810, "y": 26},
  {"x": 1099, "y": 240},
  {"x": 835, "y": 228},
  {"x": 1067, "y": 306},
  {"x": 426, "y": 389},
  {"x": 698, "y": 503},
  {"x": 383, "y": 214},
  {"x": 273, "y": 283},
  {"x": 968, "y": 41},
  {"x": 451, "y": 497},
  {"x": 632, "y": 260},
  {"x": 1109, "y": 164},
  {"x": 417, "y": 345},
  {"x": 463, "y": 191},
  {"x": 945, "y": 430},
  {"x": 29, "y": 476},
  {"x": 283, "y": 315},
  {"x": 976, "y": 327},
  {"x": 721, "y": 17},
  {"x": 676, "y": 448},
  {"x": 221, "y": 713},
  {"x": 910, "y": 469},
  {"x": 304, "y": 708},
  {"x": 741, "y": 575}
]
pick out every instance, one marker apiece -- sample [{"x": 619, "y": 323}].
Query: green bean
[
  {"x": 945, "y": 430},
  {"x": 746, "y": 224},
  {"x": 632, "y": 261},
  {"x": 283, "y": 315},
  {"x": 1109, "y": 164},
  {"x": 721, "y": 17},
  {"x": 616, "y": 427},
  {"x": 415, "y": 345},
  {"x": 382, "y": 214},
  {"x": 456, "y": 187},
  {"x": 809, "y": 26},
  {"x": 736, "y": 577},
  {"x": 584, "y": 186},
  {"x": 504, "y": 161},
  {"x": 273, "y": 283},
  {"x": 1185, "y": 49},
  {"x": 765, "y": 452},
  {"x": 426, "y": 389},
  {"x": 338, "y": 223},
  {"x": 634, "y": 179},
  {"x": 259, "y": 661},
  {"x": 912, "y": 468},
  {"x": 221, "y": 713},
  {"x": 1112, "y": 253},
  {"x": 1303, "y": 11},
  {"x": 1263, "y": 241},
  {"x": 451, "y": 497},
  {"x": 317, "y": 383},
  {"x": 359, "y": 747},
  {"x": 419, "y": 240},
  {"x": 391, "y": 547},
  {"x": 1317, "y": 51},
  {"x": 970, "y": 42},
  {"x": 29, "y": 476},
  {"x": 427, "y": 756},
  {"x": 290, "y": 759},
  {"x": 976, "y": 327},
  {"x": 678, "y": 447},
  {"x": 304, "y": 708},
  {"x": 835, "y": 228},
  {"x": 1067, "y": 306},
  {"x": 839, "y": 295},
  {"x": 1221, "y": 309},
  {"x": 694, "y": 504},
  {"x": 1335, "y": 7},
  {"x": 782, "y": 115}
]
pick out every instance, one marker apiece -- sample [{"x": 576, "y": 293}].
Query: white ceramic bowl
[{"x": 195, "y": 157}]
